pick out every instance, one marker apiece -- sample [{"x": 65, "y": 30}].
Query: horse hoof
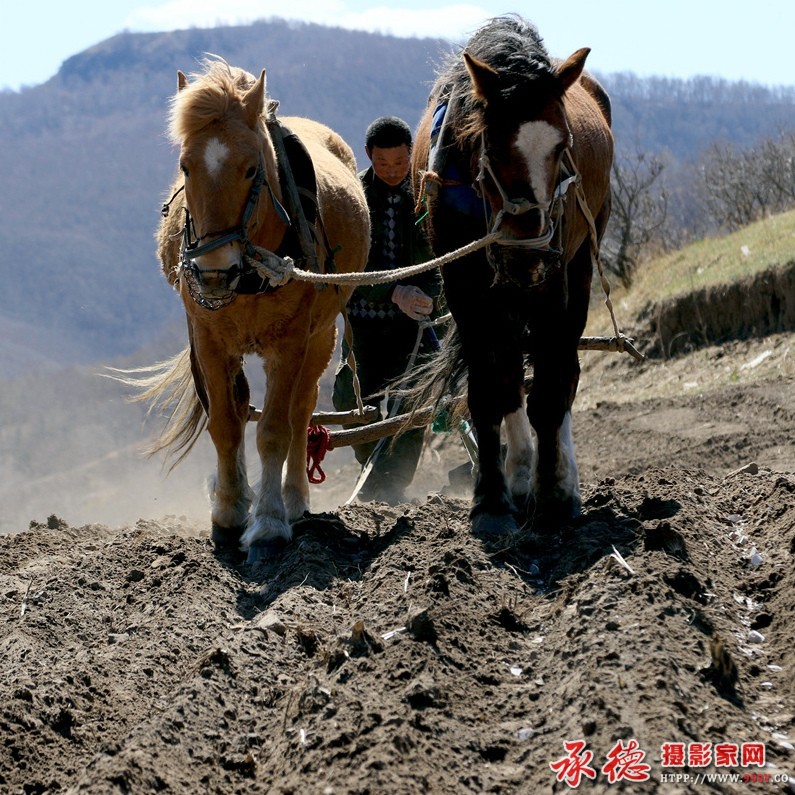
[
  {"x": 226, "y": 537},
  {"x": 263, "y": 551},
  {"x": 493, "y": 525}
]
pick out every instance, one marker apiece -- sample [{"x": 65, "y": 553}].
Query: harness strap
[
  {"x": 595, "y": 258},
  {"x": 351, "y": 359},
  {"x": 165, "y": 209},
  {"x": 305, "y": 237},
  {"x": 279, "y": 207},
  {"x": 437, "y": 143}
]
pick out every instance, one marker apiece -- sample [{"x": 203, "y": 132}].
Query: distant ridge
[{"x": 84, "y": 162}]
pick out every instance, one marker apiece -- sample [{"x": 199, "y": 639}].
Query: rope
[
  {"x": 282, "y": 271},
  {"x": 351, "y": 359},
  {"x": 382, "y": 277},
  {"x": 624, "y": 346},
  {"x": 318, "y": 443}
]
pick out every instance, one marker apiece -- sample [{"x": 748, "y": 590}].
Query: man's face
[{"x": 391, "y": 164}]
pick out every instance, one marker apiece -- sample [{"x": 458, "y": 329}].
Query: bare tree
[
  {"x": 638, "y": 214},
  {"x": 777, "y": 167},
  {"x": 741, "y": 185}
]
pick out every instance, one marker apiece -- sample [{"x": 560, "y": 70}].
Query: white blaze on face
[
  {"x": 536, "y": 140},
  {"x": 215, "y": 154}
]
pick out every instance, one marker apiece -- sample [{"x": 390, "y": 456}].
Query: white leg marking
[
  {"x": 567, "y": 475},
  {"x": 268, "y": 517},
  {"x": 215, "y": 154},
  {"x": 536, "y": 141},
  {"x": 228, "y": 510},
  {"x": 296, "y": 501},
  {"x": 295, "y": 488},
  {"x": 520, "y": 460}
]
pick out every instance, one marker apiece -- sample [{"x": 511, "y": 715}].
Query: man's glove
[{"x": 412, "y": 301}]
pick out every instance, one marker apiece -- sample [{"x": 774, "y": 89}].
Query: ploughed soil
[{"x": 387, "y": 650}]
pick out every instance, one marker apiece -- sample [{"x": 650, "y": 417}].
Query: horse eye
[
  {"x": 184, "y": 169},
  {"x": 251, "y": 172}
]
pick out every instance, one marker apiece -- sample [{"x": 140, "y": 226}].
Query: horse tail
[
  {"x": 439, "y": 381},
  {"x": 168, "y": 388}
]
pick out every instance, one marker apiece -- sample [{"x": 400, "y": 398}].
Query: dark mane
[{"x": 511, "y": 46}]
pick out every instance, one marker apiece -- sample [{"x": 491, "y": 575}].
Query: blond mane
[{"x": 214, "y": 94}]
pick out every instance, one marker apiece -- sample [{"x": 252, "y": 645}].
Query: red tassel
[{"x": 318, "y": 443}]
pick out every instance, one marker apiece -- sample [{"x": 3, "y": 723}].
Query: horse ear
[
  {"x": 254, "y": 101},
  {"x": 570, "y": 70},
  {"x": 485, "y": 80},
  {"x": 182, "y": 81}
]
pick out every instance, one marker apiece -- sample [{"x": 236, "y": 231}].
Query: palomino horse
[
  {"x": 516, "y": 143},
  {"x": 213, "y": 250}
]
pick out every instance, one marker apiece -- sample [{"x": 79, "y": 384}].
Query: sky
[{"x": 733, "y": 39}]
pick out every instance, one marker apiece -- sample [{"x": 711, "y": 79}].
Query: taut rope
[
  {"x": 381, "y": 277},
  {"x": 285, "y": 269},
  {"x": 622, "y": 343}
]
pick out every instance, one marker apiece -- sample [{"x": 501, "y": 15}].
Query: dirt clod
[{"x": 388, "y": 650}]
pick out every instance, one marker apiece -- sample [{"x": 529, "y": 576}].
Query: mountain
[
  {"x": 683, "y": 117},
  {"x": 85, "y": 165}
]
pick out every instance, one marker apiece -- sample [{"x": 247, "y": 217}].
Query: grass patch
[{"x": 764, "y": 244}]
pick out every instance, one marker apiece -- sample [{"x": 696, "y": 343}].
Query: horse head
[
  {"x": 225, "y": 160},
  {"x": 521, "y": 131}
]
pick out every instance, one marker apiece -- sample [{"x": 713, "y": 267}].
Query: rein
[{"x": 571, "y": 176}]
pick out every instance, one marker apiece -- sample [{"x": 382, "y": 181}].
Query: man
[{"x": 385, "y": 317}]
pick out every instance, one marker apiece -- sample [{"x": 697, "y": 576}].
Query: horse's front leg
[
  {"x": 227, "y": 396},
  {"x": 557, "y": 486},
  {"x": 269, "y": 523},
  {"x": 520, "y": 456},
  {"x": 556, "y": 369},
  {"x": 296, "y": 483},
  {"x": 494, "y": 392}
]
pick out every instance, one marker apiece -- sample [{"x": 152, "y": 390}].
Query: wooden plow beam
[
  {"x": 353, "y": 417},
  {"x": 371, "y": 431}
]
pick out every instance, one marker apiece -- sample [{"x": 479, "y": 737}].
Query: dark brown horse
[{"x": 517, "y": 143}]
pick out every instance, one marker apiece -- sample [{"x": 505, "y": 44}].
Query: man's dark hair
[{"x": 386, "y": 132}]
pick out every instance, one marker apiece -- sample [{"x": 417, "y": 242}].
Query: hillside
[
  {"x": 85, "y": 165},
  {"x": 733, "y": 287}
]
